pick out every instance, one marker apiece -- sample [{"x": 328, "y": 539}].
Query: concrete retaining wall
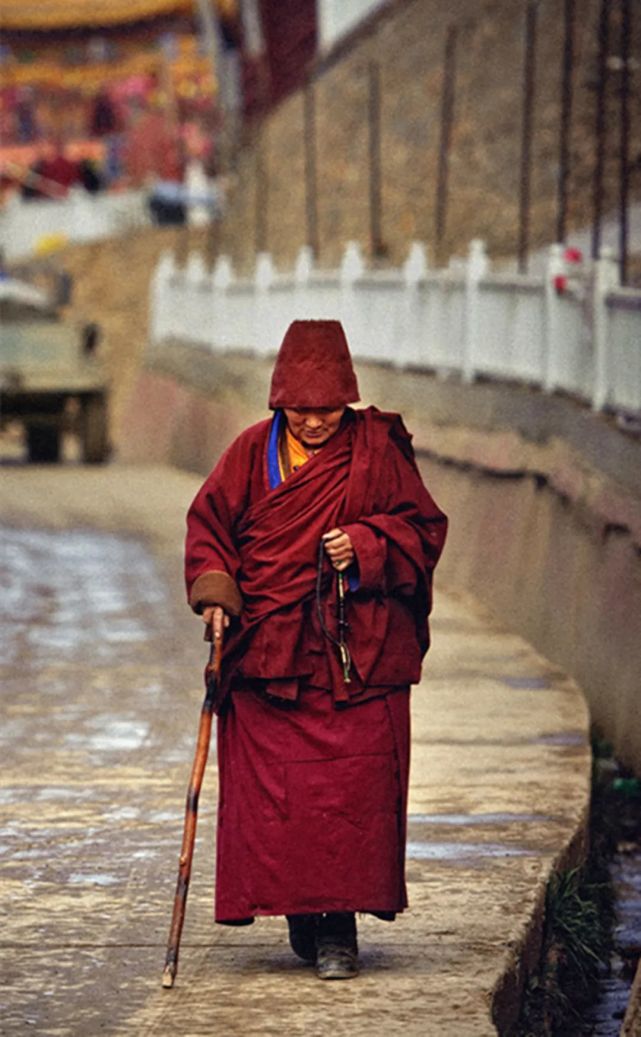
[{"x": 544, "y": 500}]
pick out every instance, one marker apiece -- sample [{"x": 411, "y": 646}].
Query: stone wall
[
  {"x": 544, "y": 500},
  {"x": 407, "y": 42}
]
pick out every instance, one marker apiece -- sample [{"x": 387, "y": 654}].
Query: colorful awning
[{"x": 67, "y": 14}]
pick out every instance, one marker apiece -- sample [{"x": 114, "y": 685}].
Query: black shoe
[
  {"x": 303, "y": 930},
  {"x": 337, "y": 947}
]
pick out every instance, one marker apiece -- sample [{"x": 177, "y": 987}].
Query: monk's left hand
[{"x": 339, "y": 549}]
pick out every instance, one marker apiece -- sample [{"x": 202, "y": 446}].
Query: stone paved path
[{"x": 101, "y": 668}]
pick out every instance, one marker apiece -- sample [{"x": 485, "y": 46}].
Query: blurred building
[
  {"x": 282, "y": 39},
  {"x": 79, "y": 72},
  {"x": 85, "y": 75},
  {"x": 279, "y": 43}
]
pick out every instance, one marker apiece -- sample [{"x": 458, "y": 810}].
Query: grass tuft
[{"x": 580, "y": 917}]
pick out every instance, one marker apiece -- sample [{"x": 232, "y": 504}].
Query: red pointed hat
[{"x": 313, "y": 367}]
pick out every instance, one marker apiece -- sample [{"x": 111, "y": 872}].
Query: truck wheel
[
  {"x": 43, "y": 444},
  {"x": 94, "y": 434}
]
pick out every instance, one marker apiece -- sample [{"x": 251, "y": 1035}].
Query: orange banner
[{"x": 92, "y": 77}]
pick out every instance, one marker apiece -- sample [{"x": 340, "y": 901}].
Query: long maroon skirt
[{"x": 312, "y": 805}]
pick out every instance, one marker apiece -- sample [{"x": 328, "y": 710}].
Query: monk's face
[{"x": 313, "y": 428}]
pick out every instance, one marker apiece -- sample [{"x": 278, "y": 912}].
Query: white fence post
[
  {"x": 353, "y": 263},
  {"x": 160, "y": 295},
  {"x": 223, "y": 325},
  {"x": 552, "y": 343},
  {"x": 264, "y": 271},
  {"x": 304, "y": 267},
  {"x": 198, "y": 284},
  {"x": 303, "y": 270},
  {"x": 195, "y": 269},
  {"x": 223, "y": 273},
  {"x": 352, "y": 269},
  {"x": 264, "y": 277},
  {"x": 605, "y": 277},
  {"x": 415, "y": 266},
  {"x": 475, "y": 269},
  {"x": 414, "y": 275}
]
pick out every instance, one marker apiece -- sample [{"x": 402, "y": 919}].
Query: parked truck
[{"x": 52, "y": 380}]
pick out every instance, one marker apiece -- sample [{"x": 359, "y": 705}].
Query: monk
[{"x": 310, "y": 549}]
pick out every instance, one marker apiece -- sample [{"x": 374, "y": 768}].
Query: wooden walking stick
[{"x": 191, "y": 811}]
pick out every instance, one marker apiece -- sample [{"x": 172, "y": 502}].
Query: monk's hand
[
  {"x": 214, "y": 616},
  {"x": 339, "y": 549}
]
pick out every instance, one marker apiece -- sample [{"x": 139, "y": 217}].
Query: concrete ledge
[
  {"x": 526, "y": 417},
  {"x": 544, "y": 499},
  {"x": 500, "y": 792}
]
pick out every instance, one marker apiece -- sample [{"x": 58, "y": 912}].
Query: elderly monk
[{"x": 310, "y": 548}]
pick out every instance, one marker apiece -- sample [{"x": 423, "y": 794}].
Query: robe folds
[
  {"x": 312, "y": 806},
  {"x": 313, "y": 768}
]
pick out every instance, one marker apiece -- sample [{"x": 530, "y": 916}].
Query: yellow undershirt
[{"x": 297, "y": 456}]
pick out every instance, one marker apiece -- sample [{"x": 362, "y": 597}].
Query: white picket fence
[
  {"x": 78, "y": 217},
  {"x": 583, "y": 336}
]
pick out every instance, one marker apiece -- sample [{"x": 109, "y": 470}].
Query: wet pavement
[{"x": 101, "y": 673}]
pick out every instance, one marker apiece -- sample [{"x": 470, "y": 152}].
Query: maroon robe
[{"x": 296, "y": 769}]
